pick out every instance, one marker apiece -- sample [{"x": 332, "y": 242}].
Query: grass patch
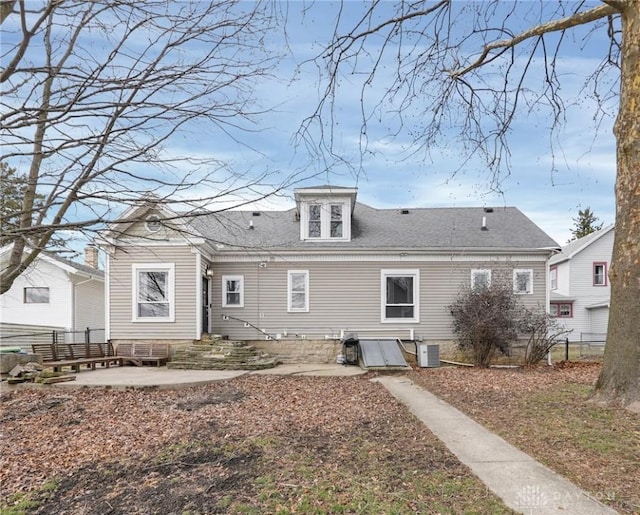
[
  {"x": 548, "y": 414},
  {"x": 24, "y": 503}
]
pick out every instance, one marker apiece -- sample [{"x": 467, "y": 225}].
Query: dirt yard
[{"x": 268, "y": 444}]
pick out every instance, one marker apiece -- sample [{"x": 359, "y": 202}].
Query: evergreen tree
[
  {"x": 12, "y": 189},
  {"x": 584, "y": 223}
]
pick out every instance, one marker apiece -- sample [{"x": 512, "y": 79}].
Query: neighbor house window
[
  {"x": 522, "y": 281},
  {"x": 298, "y": 288},
  {"x": 480, "y": 279},
  {"x": 325, "y": 221},
  {"x": 153, "y": 292},
  {"x": 400, "y": 295},
  {"x": 553, "y": 278},
  {"x": 600, "y": 274},
  {"x": 561, "y": 310},
  {"x": 233, "y": 291},
  {"x": 36, "y": 295}
]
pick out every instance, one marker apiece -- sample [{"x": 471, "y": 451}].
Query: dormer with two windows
[{"x": 325, "y": 213}]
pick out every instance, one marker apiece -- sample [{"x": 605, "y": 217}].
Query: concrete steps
[{"x": 218, "y": 354}]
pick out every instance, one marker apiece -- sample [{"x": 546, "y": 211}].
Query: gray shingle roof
[
  {"x": 78, "y": 266},
  {"x": 425, "y": 228}
]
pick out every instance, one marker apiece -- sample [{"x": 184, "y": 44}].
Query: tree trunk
[{"x": 619, "y": 379}]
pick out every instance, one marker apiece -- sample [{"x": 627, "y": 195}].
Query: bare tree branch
[
  {"x": 101, "y": 101},
  {"x": 581, "y": 18}
]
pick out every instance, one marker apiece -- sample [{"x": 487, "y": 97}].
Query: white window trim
[
  {"x": 152, "y": 223},
  {"x": 226, "y": 278},
  {"x": 24, "y": 294},
  {"x": 325, "y": 220},
  {"x": 153, "y": 267},
  {"x": 552, "y": 270},
  {"x": 604, "y": 282},
  {"x": 415, "y": 273},
  {"x": 480, "y": 271},
  {"x": 515, "y": 275},
  {"x": 290, "y": 308}
]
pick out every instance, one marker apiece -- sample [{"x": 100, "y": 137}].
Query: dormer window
[
  {"x": 325, "y": 213},
  {"x": 336, "y": 221},
  {"x": 325, "y": 221},
  {"x": 315, "y": 221}
]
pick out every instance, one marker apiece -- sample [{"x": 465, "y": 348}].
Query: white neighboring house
[
  {"x": 579, "y": 284},
  {"x": 55, "y": 292}
]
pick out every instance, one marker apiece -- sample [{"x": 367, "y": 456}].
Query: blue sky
[{"x": 553, "y": 175}]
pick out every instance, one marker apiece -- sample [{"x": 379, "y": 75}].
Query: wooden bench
[
  {"x": 76, "y": 355},
  {"x": 139, "y": 353}
]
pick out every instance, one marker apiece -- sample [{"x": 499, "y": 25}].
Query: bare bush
[
  {"x": 486, "y": 321},
  {"x": 543, "y": 332}
]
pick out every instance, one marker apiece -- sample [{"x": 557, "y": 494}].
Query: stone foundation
[
  {"x": 300, "y": 351},
  {"x": 290, "y": 351}
]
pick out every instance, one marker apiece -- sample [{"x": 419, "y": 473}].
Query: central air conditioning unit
[{"x": 429, "y": 356}]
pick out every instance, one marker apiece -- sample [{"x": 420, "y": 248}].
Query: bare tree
[
  {"x": 102, "y": 100},
  {"x": 468, "y": 68}
]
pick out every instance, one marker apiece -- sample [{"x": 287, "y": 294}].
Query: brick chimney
[{"x": 91, "y": 256}]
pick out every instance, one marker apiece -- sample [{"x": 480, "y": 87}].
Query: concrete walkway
[
  {"x": 521, "y": 482},
  {"x": 165, "y": 378}
]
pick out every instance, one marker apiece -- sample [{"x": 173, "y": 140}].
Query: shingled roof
[{"x": 411, "y": 229}]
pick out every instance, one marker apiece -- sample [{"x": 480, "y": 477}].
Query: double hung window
[
  {"x": 600, "y": 274},
  {"x": 553, "y": 278},
  {"x": 153, "y": 292},
  {"x": 325, "y": 221},
  {"x": 480, "y": 280},
  {"x": 298, "y": 291},
  {"x": 522, "y": 282},
  {"x": 400, "y": 295},
  {"x": 232, "y": 291}
]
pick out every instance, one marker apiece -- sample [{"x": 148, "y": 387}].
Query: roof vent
[
  {"x": 250, "y": 224},
  {"x": 255, "y": 213},
  {"x": 404, "y": 211},
  {"x": 488, "y": 210},
  {"x": 484, "y": 224}
]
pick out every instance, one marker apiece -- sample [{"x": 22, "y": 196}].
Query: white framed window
[
  {"x": 36, "y": 295},
  {"x": 153, "y": 292},
  {"x": 522, "y": 282},
  {"x": 480, "y": 279},
  {"x": 553, "y": 277},
  {"x": 315, "y": 221},
  {"x": 153, "y": 223},
  {"x": 232, "y": 291},
  {"x": 298, "y": 291},
  {"x": 336, "y": 221},
  {"x": 400, "y": 295},
  {"x": 325, "y": 220},
  {"x": 600, "y": 274}
]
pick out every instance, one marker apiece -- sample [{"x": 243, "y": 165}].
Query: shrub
[
  {"x": 543, "y": 332},
  {"x": 486, "y": 321}
]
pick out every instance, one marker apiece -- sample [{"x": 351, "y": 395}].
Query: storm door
[{"x": 205, "y": 304}]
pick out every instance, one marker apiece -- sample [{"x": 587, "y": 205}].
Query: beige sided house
[{"x": 326, "y": 267}]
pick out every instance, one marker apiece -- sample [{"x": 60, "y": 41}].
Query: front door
[{"x": 205, "y": 304}]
